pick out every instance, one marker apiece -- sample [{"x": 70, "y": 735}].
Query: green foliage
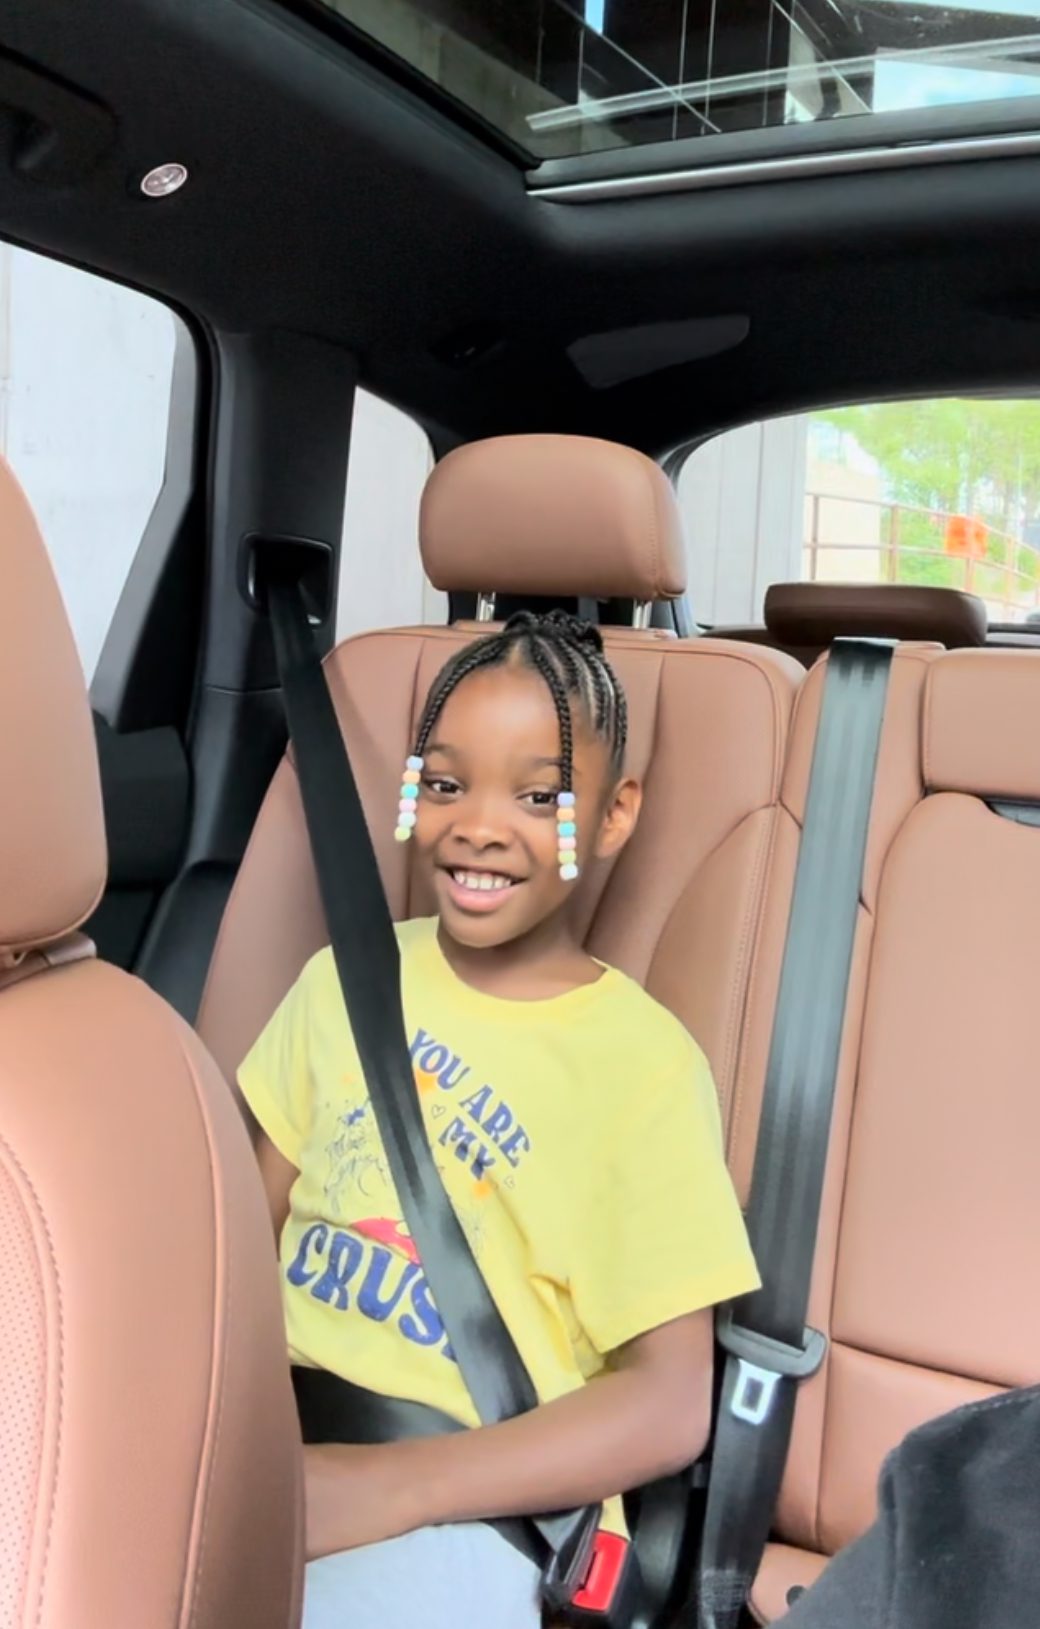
[
  {"x": 976, "y": 458},
  {"x": 964, "y": 457}
]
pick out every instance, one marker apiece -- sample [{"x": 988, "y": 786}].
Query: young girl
[{"x": 576, "y": 1129}]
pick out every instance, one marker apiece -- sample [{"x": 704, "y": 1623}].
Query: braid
[
  {"x": 567, "y": 653},
  {"x": 562, "y": 703},
  {"x": 487, "y": 653}
]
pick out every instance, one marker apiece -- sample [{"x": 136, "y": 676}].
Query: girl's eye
[
  {"x": 440, "y": 785},
  {"x": 541, "y": 800}
]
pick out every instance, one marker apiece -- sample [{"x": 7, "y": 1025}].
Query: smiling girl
[{"x": 576, "y": 1129}]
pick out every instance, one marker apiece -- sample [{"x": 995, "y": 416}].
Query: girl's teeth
[{"x": 480, "y": 881}]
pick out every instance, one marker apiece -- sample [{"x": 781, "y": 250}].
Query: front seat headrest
[
  {"x": 552, "y": 515},
  {"x": 52, "y": 836},
  {"x": 814, "y": 614}
]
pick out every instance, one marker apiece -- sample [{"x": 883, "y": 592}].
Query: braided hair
[{"x": 568, "y": 654}]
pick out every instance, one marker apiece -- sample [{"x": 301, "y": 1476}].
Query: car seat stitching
[
  {"x": 740, "y": 1008},
  {"x": 209, "y": 1451}
]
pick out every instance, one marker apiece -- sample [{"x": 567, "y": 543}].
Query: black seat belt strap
[
  {"x": 364, "y": 945},
  {"x": 767, "y": 1344}
]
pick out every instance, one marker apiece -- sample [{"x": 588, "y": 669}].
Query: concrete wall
[
  {"x": 381, "y": 580},
  {"x": 85, "y": 371},
  {"x": 742, "y": 499}
]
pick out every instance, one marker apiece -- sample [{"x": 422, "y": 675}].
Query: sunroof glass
[{"x": 562, "y": 78}]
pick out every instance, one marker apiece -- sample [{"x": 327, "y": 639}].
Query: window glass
[
  {"x": 563, "y": 77},
  {"x": 85, "y": 370},
  {"x": 381, "y": 579},
  {"x": 943, "y": 492}
]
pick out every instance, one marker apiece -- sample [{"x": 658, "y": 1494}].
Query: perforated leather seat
[
  {"x": 926, "y": 1257},
  {"x": 149, "y": 1461}
]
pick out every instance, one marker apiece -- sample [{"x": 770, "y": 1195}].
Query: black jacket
[{"x": 956, "y": 1544}]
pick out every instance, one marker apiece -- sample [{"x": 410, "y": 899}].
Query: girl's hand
[{"x": 358, "y": 1495}]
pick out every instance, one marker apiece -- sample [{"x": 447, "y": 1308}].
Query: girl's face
[{"x": 486, "y": 820}]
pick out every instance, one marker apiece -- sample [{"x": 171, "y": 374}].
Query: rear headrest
[
  {"x": 982, "y": 724},
  {"x": 552, "y": 515},
  {"x": 814, "y": 614},
  {"x": 52, "y": 834}
]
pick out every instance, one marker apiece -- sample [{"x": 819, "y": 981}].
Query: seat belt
[
  {"x": 367, "y": 957},
  {"x": 769, "y": 1350}
]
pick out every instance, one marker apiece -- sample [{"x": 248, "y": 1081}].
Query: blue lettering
[
  {"x": 483, "y": 1160},
  {"x": 345, "y": 1253},
  {"x": 422, "y": 1038},
  {"x": 449, "y": 1076},
  {"x": 318, "y": 1236},
  {"x": 460, "y": 1134},
  {"x": 498, "y": 1123},
  {"x": 368, "y": 1296},
  {"x": 516, "y": 1146},
  {"x": 433, "y": 1058},
  {"x": 476, "y": 1104},
  {"x": 429, "y": 1329}
]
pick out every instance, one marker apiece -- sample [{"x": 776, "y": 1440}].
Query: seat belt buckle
[
  {"x": 606, "y": 1597},
  {"x": 762, "y": 1362}
]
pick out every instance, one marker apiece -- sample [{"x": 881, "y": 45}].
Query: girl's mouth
[{"x": 479, "y": 891}]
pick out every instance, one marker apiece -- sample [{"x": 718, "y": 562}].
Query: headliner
[{"x": 327, "y": 199}]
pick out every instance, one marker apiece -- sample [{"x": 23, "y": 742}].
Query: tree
[
  {"x": 977, "y": 458},
  {"x": 964, "y": 457}
]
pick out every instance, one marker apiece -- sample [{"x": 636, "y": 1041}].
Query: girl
[{"x": 575, "y": 1126}]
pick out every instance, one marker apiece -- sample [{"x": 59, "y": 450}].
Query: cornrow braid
[{"x": 567, "y": 653}]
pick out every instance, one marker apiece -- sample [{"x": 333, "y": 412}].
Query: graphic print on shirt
[{"x": 362, "y": 1259}]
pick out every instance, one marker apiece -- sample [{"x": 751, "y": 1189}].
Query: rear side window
[
  {"x": 85, "y": 371},
  {"x": 943, "y": 492}
]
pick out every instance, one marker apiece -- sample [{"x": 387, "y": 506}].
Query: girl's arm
[
  {"x": 647, "y": 1416},
  {"x": 277, "y": 1173}
]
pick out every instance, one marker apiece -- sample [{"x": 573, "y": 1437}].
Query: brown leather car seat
[
  {"x": 804, "y": 619},
  {"x": 149, "y": 1462},
  {"x": 925, "y": 1259},
  {"x": 708, "y": 725}
]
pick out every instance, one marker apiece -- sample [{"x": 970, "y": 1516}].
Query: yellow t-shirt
[{"x": 578, "y": 1139}]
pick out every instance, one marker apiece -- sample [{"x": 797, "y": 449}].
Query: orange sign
[{"x": 966, "y": 537}]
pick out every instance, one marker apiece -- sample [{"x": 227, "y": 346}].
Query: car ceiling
[{"x": 326, "y": 199}]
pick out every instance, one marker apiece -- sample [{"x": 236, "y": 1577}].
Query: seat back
[
  {"x": 931, "y": 1207},
  {"x": 149, "y": 1461},
  {"x": 680, "y": 909}
]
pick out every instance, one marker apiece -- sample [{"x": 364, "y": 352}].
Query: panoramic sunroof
[{"x": 561, "y": 78}]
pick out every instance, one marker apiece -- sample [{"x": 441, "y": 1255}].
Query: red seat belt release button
[{"x": 609, "y": 1555}]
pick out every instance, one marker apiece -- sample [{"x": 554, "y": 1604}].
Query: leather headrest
[
  {"x": 814, "y": 614},
  {"x": 52, "y": 834},
  {"x": 552, "y": 515},
  {"x": 981, "y": 714}
]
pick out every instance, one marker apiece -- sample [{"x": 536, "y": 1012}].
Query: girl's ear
[{"x": 619, "y": 819}]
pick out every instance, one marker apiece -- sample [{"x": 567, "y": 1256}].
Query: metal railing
[{"x": 905, "y": 551}]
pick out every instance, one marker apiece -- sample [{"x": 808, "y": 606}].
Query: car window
[
  {"x": 381, "y": 579},
  {"x": 576, "y": 76},
  {"x": 85, "y": 370},
  {"x": 943, "y": 492}
]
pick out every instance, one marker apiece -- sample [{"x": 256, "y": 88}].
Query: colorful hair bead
[
  {"x": 406, "y": 808},
  {"x": 567, "y": 836}
]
